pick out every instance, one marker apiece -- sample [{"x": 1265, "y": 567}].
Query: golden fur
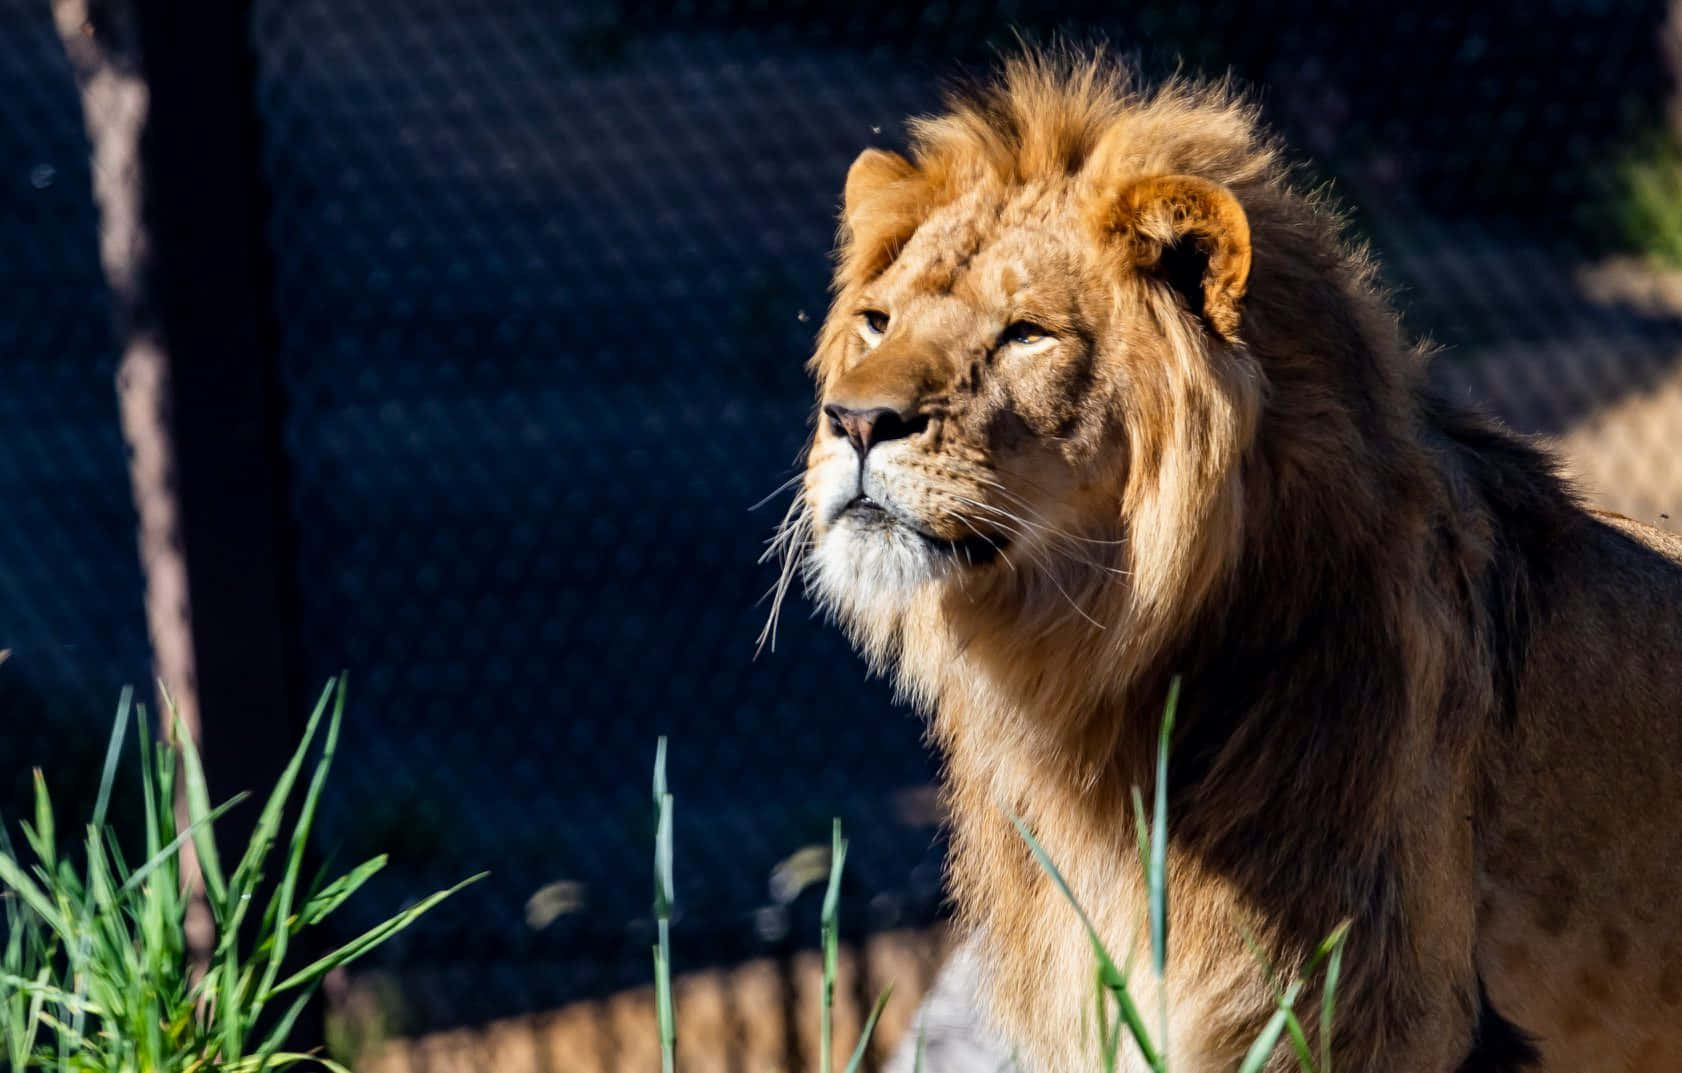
[{"x": 1130, "y": 406}]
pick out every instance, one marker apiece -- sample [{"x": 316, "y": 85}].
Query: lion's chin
[{"x": 869, "y": 564}]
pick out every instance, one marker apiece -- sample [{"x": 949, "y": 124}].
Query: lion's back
[
  {"x": 1582, "y": 856},
  {"x": 1663, "y": 541}
]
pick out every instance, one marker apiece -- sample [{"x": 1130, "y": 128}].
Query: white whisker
[
  {"x": 790, "y": 544},
  {"x": 1021, "y": 527},
  {"x": 781, "y": 488},
  {"x": 996, "y": 547}
]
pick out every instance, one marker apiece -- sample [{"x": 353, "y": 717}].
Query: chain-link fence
[
  {"x": 70, "y": 587},
  {"x": 544, "y": 276}
]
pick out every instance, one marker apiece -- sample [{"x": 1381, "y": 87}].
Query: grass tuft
[{"x": 95, "y": 971}]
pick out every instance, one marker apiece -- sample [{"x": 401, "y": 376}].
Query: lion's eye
[
  {"x": 875, "y": 321},
  {"x": 1024, "y": 333}
]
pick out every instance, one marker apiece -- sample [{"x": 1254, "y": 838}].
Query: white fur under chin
[{"x": 873, "y": 571}]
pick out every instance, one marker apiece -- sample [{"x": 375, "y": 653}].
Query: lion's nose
[{"x": 867, "y": 426}]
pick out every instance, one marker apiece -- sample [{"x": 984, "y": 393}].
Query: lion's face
[
  {"x": 1016, "y": 378},
  {"x": 970, "y": 409}
]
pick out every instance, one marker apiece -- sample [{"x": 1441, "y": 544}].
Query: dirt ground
[{"x": 728, "y": 1020}]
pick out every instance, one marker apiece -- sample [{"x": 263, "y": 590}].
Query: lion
[{"x": 1104, "y": 398}]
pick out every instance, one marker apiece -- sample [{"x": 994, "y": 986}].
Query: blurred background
[{"x": 450, "y": 342}]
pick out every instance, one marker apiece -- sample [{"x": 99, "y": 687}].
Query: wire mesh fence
[
  {"x": 70, "y": 585},
  {"x": 544, "y": 276}
]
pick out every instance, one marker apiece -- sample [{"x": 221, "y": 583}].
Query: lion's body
[
  {"x": 1579, "y": 924},
  {"x": 1122, "y": 405}
]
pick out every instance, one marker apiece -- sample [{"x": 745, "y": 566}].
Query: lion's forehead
[{"x": 991, "y": 266}]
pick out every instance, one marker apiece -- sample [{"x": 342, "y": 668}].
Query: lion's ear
[
  {"x": 882, "y": 205},
  {"x": 1192, "y": 235},
  {"x": 875, "y": 171}
]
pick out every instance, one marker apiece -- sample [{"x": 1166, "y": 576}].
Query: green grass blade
[
  {"x": 160, "y": 915},
  {"x": 283, "y": 1028},
  {"x": 283, "y": 1060},
  {"x": 163, "y": 764},
  {"x": 1332, "y": 943},
  {"x": 1328, "y": 1000},
  {"x": 320, "y": 905},
  {"x": 660, "y": 789},
  {"x": 300, "y": 838},
  {"x": 108, "y": 774},
  {"x": 249, "y": 872},
  {"x": 21, "y": 999},
  {"x": 1156, "y": 873},
  {"x": 369, "y": 939},
  {"x": 1109, "y": 1041},
  {"x": 837, "y": 860},
  {"x": 149, "y": 801},
  {"x": 1262, "y": 1048},
  {"x": 1260, "y": 955},
  {"x": 1299, "y": 1043},
  {"x": 116, "y": 950},
  {"x": 165, "y": 947},
  {"x": 663, "y": 898},
  {"x": 1141, "y": 831},
  {"x": 194, "y": 831},
  {"x": 13, "y": 877},
  {"x": 268, "y": 823},
  {"x": 1156, "y": 865},
  {"x": 857, "y": 1059},
  {"x": 1111, "y": 977},
  {"x": 665, "y": 1013},
  {"x": 317, "y": 884},
  {"x": 198, "y": 808},
  {"x": 917, "y": 1055},
  {"x": 1112, "y": 1044},
  {"x": 39, "y": 985},
  {"x": 41, "y": 838},
  {"x": 663, "y": 888},
  {"x": 1136, "y": 1028},
  {"x": 830, "y": 931},
  {"x": 37, "y": 1001},
  {"x": 12, "y": 999},
  {"x": 228, "y": 1011},
  {"x": 114, "y": 854},
  {"x": 9, "y": 905},
  {"x": 1330, "y": 950},
  {"x": 662, "y": 835}
]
